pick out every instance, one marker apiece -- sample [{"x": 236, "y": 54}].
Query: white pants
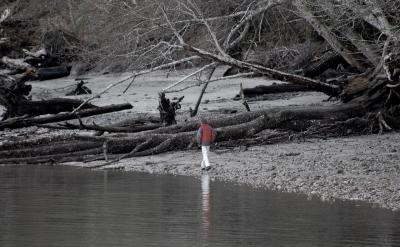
[{"x": 205, "y": 162}]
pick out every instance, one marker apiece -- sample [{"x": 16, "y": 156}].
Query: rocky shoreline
[{"x": 360, "y": 168}]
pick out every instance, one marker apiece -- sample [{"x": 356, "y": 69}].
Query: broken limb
[
  {"x": 203, "y": 90},
  {"x": 211, "y": 65},
  {"x": 110, "y": 128}
]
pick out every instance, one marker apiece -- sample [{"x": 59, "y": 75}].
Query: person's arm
[{"x": 198, "y": 136}]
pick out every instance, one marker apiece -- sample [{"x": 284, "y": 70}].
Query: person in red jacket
[{"x": 205, "y": 137}]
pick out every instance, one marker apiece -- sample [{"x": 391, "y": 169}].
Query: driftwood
[
  {"x": 38, "y": 54},
  {"x": 94, "y": 126},
  {"x": 43, "y": 107},
  {"x": 13, "y": 92},
  {"x": 168, "y": 109},
  {"x": 203, "y": 90},
  {"x": 53, "y": 72},
  {"x": 271, "y": 89},
  {"x": 26, "y": 121},
  {"x": 223, "y": 58},
  {"x": 16, "y": 63},
  {"x": 132, "y": 124},
  {"x": 328, "y": 60},
  {"x": 177, "y": 137},
  {"x": 80, "y": 89},
  {"x": 331, "y": 90}
]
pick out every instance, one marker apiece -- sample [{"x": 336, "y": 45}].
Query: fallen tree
[
  {"x": 13, "y": 96},
  {"x": 20, "y": 122},
  {"x": 272, "y": 89},
  {"x": 176, "y": 137}
]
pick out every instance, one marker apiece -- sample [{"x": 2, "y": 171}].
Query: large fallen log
[
  {"x": 43, "y": 107},
  {"x": 178, "y": 137},
  {"x": 13, "y": 96},
  {"x": 53, "y": 72},
  {"x": 25, "y": 122},
  {"x": 272, "y": 89},
  {"x": 112, "y": 129}
]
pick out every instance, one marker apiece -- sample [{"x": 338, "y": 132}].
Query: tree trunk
[
  {"x": 328, "y": 89},
  {"x": 241, "y": 126},
  {"x": 326, "y": 34},
  {"x": 53, "y": 72},
  {"x": 272, "y": 89},
  {"x": 168, "y": 109},
  {"x": 328, "y": 60},
  {"x": 43, "y": 107},
  {"x": 25, "y": 122},
  {"x": 203, "y": 90}
]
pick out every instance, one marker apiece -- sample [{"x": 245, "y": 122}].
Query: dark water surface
[{"x": 61, "y": 206}]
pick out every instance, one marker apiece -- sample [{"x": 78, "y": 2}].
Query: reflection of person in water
[{"x": 205, "y": 202}]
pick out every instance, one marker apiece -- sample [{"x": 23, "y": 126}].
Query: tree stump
[{"x": 168, "y": 109}]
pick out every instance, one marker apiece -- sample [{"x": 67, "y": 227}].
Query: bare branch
[
  {"x": 276, "y": 74},
  {"x": 213, "y": 80},
  {"x": 323, "y": 30},
  {"x": 190, "y": 75}
]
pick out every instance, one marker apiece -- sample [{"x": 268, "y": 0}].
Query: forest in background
[{"x": 132, "y": 35}]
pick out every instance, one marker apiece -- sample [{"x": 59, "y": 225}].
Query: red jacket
[{"x": 205, "y": 135}]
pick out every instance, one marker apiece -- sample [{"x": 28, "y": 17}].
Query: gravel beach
[{"x": 364, "y": 168}]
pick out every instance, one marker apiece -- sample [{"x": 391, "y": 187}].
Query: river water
[{"x": 62, "y": 206}]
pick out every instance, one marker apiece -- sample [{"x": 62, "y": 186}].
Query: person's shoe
[
  {"x": 203, "y": 168},
  {"x": 208, "y": 168}
]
